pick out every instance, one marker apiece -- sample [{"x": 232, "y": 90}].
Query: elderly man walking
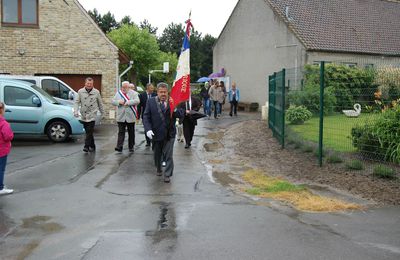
[
  {"x": 159, "y": 125},
  {"x": 126, "y": 101},
  {"x": 88, "y": 103}
]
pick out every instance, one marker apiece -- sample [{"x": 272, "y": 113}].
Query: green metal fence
[
  {"x": 353, "y": 116},
  {"x": 276, "y": 110}
]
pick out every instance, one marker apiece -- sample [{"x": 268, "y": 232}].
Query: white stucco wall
[{"x": 247, "y": 49}]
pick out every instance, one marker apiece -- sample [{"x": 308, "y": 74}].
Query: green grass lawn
[{"x": 337, "y": 130}]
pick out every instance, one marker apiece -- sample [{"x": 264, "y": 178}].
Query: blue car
[{"x": 32, "y": 111}]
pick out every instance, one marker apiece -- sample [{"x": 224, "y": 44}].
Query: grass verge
[
  {"x": 337, "y": 130},
  {"x": 297, "y": 195}
]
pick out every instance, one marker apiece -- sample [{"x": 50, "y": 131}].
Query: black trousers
[
  {"x": 163, "y": 151},
  {"x": 188, "y": 129},
  {"x": 234, "y": 105},
  {"x": 121, "y": 134},
  {"x": 89, "y": 139}
]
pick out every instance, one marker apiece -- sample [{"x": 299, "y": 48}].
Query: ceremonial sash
[{"x": 126, "y": 98}]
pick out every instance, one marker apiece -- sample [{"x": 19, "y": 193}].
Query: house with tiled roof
[
  {"x": 264, "y": 36},
  {"x": 58, "y": 38}
]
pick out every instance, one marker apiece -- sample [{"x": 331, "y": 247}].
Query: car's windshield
[{"x": 45, "y": 95}]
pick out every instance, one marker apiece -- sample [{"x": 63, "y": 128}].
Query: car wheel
[{"x": 58, "y": 131}]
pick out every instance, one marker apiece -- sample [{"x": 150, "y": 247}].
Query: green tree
[
  {"x": 207, "y": 52},
  {"x": 171, "y": 38},
  {"x": 173, "y": 62},
  {"x": 95, "y": 16},
  {"x": 106, "y": 22},
  {"x": 143, "y": 49},
  {"x": 200, "y": 48},
  {"x": 146, "y": 25},
  {"x": 126, "y": 20},
  {"x": 196, "y": 55}
]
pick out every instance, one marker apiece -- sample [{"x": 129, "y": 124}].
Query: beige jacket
[
  {"x": 125, "y": 113},
  {"x": 216, "y": 94},
  {"x": 88, "y": 103}
]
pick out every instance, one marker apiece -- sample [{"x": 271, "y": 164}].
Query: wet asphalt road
[{"x": 104, "y": 205}]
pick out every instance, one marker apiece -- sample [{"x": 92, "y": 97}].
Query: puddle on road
[
  {"x": 28, "y": 249},
  {"x": 224, "y": 178},
  {"x": 40, "y": 223},
  {"x": 214, "y": 161},
  {"x": 216, "y": 136},
  {"x": 212, "y": 147},
  {"x": 166, "y": 226},
  {"x": 113, "y": 170},
  {"x": 5, "y": 224},
  {"x": 33, "y": 230}
]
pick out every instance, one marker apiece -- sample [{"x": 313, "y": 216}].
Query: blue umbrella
[{"x": 203, "y": 79}]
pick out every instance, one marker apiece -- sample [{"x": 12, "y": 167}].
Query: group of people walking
[
  {"x": 214, "y": 94},
  {"x": 153, "y": 108}
]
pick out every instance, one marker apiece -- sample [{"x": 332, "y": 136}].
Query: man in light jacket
[
  {"x": 88, "y": 103},
  {"x": 126, "y": 101},
  {"x": 217, "y": 96}
]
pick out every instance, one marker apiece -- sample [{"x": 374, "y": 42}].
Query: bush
[
  {"x": 297, "y": 115},
  {"x": 354, "y": 165},
  {"x": 384, "y": 172},
  {"x": 316, "y": 152},
  {"x": 297, "y": 145},
  {"x": 344, "y": 86},
  {"x": 334, "y": 158},
  {"x": 309, "y": 98},
  {"x": 380, "y": 139},
  {"x": 388, "y": 80},
  {"x": 307, "y": 149}
]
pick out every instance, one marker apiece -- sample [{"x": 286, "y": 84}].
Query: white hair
[{"x": 125, "y": 82}]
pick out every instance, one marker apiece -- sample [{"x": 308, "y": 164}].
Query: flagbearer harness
[{"x": 126, "y": 98}]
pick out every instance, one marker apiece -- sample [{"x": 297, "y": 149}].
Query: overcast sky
[{"x": 208, "y": 16}]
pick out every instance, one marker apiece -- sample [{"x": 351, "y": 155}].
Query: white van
[{"x": 56, "y": 88}]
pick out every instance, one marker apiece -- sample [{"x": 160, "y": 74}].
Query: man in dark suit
[
  {"x": 190, "y": 121},
  {"x": 149, "y": 93},
  {"x": 159, "y": 126}
]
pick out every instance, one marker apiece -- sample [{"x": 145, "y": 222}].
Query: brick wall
[{"x": 66, "y": 42}]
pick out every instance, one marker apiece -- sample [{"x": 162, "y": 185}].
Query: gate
[{"x": 276, "y": 109}]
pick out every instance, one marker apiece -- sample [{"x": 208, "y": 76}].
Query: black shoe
[
  {"x": 147, "y": 144},
  {"x": 131, "y": 150},
  {"x": 230, "y": 114},
  {"x": 85, "y": 149},
  {"x": 187, "y": 146},
  {"x": 118, "y": 149},
  {"x": 159, "y": 173},
  {"x": 167, "y": 179}
]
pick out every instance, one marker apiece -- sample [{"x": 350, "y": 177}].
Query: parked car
[
  {"x": 55, "y": 87},
  {"x": 32, "y": 111},
  {"x": 58, "y": 89}
]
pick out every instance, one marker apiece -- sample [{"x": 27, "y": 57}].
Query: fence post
[
  {"x": 321, "y": 111},
  {"x": 283, "y": 106}
]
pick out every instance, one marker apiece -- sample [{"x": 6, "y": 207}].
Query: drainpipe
[{"x": 123, "y": 73}]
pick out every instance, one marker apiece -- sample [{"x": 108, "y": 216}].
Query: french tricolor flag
[{"x": 180, "y": 91}]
